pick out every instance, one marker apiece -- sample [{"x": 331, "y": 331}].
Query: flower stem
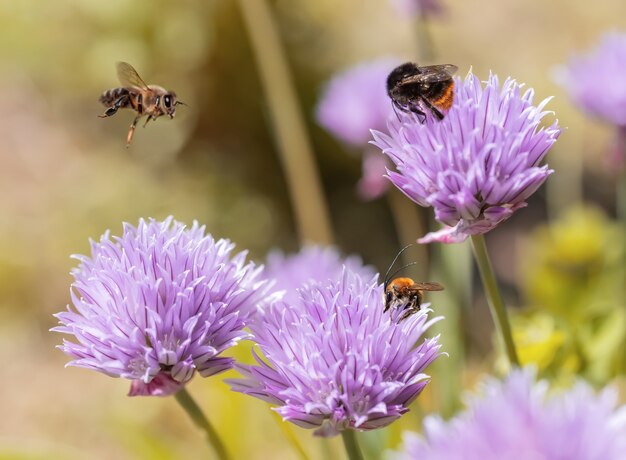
[
  {"x": 294, "y": 146},
  {"x": 424, "y": 40},
  {"x": 199, "y": 419},
  {"x": 621, "y": 198},
  {"x": 352, "y": 447},
  {"x": 291, "y": 437},
  {"x": 494, "y": 299},
  {"x": 408, "y": 221}
]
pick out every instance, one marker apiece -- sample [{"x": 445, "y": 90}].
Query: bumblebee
[
  {"x": 415, "y": 89},
  {"x": 403, "y": 292}
]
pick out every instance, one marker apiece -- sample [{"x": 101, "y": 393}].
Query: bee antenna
[
  {"x": 393, "y": 275},
  {"x": 394, "y": 262},
  {"x": 395, "y": 110},
  {"x": 181, "y": 103}
]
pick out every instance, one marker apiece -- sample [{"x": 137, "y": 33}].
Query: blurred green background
[{"x": 66, "y": 176}]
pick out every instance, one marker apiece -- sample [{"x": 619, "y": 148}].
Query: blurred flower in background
[
  {"x": 595, "y": 82},
  {"x": 332, "y": 360},
  {"x": 418, "y": 8},
  {"x": 479, "y": 164},
  {"x": 572, "y": 280},
  {"x": 354, "y": 102},
  {"x": 312, "y": 264},
  {"x": 520, "y": 418},
  {"x": 158, "y": 304}
]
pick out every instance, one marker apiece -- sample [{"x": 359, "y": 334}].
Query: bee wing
[
  {"x": 428, "y": 286},
  {"x": 128, "y": 76},
  {"x": 431, "y": 74}
]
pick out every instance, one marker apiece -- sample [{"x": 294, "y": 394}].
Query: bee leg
[
  {"x": 433, "y": 109},
  {"x": 416, "y": 109},
  {"x": 114, "y": 108},
  {"x": 140, "y": 104},
  {"x": 396, "y": 109},
  {"x": 147, "y": 120},
  {"x": 407, "y": 313},
  {"x": 131, "y": 131}
]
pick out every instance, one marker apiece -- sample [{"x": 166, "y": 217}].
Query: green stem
[
  {"x": 294, "y": 146},
  {"x": 352, "y": 447},
  {"x": 424, "y": 40},
  {"x": 200, "y": 420},
  {"x": 289, "y": 434},
  {"x": 409, "y": 224},
  {"x": 621, "y": 202},
  {"x": 496, "y": 304},
  {"x": 452, "y": 265}
]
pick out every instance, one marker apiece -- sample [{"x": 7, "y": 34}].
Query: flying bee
[
  {"x": 135, "y": 94},
  {"x": 414, "y": 89},
  {"x": 404, "y": 292}
]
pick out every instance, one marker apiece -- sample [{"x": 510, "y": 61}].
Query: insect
[
  {"x": 135, "y": 94},
  {"x": 415, "y": 89},
  {"x": 404, "y": 292}
]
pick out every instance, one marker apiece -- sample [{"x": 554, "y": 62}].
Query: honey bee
[
  {"x": 403, "y": 292},
  {"x": 414, "y": 89},
  {"x": 135, "y": 94}
]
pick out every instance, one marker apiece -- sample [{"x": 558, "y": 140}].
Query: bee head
[
  {"x": 169, "y": 102},
  {"x": 400, "y": 73}
]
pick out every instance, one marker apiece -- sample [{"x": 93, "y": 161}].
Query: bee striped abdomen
[
  {"x": 445, "y": 99},
  {"x": 110, "y": 96}
]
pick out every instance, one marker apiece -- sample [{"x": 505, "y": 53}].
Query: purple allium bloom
[
  {"x": 355, "y": 101},
  {"x": 158, "y": 304},
  {"x": 373, "y": 182},
  {"x": 519, "y": 419},
  {"x": 476, "y": 166},
  {"x": 596, "y": 81},
  {"x": 334, "y": 361},
  {"x": 420, "y": 8},
  {"x": 311, "y": 265}
]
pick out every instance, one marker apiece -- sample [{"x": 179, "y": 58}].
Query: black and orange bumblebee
[
  {"x": 403, "y": 292},
  {"x": 415, "y": 89}
]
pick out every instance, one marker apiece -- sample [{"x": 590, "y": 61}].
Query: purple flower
[
  {"x": 479, "y": 164},
  {"x": 518, "y": 418},
  {"x": 355, "y": 101},
  {"x": 334, "y": 361},
  {"x": 373, "y": 182},
  {"x": 419, "y": 8},
  {"x": 311, "y": 265},
  {"x": 596, "y": 81},
  {"x": 158, "y": 304}
]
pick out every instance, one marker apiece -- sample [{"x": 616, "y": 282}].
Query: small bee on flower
[{"x": 403, "y": 292}]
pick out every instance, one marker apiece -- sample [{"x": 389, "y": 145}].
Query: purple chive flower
[
  {"x": 596, "y": 81},
  {"x": 476, "y": 166},
  {"x": 518, "y": 418},
  {"x": 158, "y": 304},
  {"x": 332, "y": 360},
  {"x": 418, "y": 8},
  {"x": 354, "y": 102},
  {"x": 312, "y": 264},
  {"x": 373, "y": 182}
]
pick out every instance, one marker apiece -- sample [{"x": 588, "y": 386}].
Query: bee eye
[{"x": 167, "y": 100}]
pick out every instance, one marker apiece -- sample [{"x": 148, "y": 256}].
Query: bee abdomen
[
  {"x": 110, "y": 96},
  {"x": 445, "y": 98}
]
